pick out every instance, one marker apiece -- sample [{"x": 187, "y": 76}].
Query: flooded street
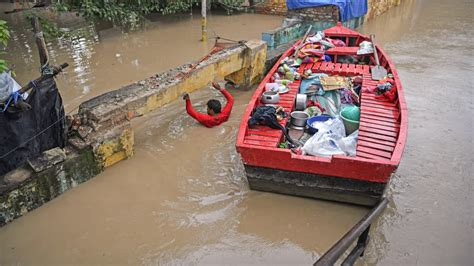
[{"x": 182, "y": 199}]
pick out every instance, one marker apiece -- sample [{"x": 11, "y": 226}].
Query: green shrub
[{"x": 4, "y": 37}]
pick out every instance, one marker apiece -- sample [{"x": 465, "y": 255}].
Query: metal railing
[{"x": 360, "y": 231}]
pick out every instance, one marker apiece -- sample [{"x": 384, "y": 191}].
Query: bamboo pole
[
  {"x": 204, "y": 20},
  {"x": 43, "y": 52}
]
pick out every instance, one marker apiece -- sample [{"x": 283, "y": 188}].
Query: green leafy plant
[
  {"x": 129, "y": 13},
  {"x": 125, "y": 13},
  {"x": 4, "y": 38}
]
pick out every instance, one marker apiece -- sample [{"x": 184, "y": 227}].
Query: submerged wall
[{"x": 101, "y": 134}]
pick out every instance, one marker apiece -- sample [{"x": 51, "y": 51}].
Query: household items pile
[
  {"x": 312, "y": 49},
  {"x": 326, "y": 110},
  {"x": 333, "y": 114},
  {"x": 327, "y": 107}
]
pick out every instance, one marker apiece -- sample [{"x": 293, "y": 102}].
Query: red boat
[{"x": 360, "y": 179}]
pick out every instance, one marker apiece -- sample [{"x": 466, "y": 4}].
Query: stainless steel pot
[
  {"x": 298, "y": 118},
  {"x": 270, "y": 97},
  {"x": 300, "y": 102}
]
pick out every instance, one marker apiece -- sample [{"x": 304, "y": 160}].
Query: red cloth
[{"x": 208, "y": 120}]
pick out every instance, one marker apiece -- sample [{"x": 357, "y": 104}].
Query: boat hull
[{"x": 315, "y": 186}]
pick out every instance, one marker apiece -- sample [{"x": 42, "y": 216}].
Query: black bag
[{"x": 26, "y": 134}]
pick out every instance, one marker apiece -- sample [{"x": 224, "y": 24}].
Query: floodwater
[{"x": 183, "y": 198}]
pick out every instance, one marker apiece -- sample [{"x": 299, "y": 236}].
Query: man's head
[{"x": 213, "y": 107}]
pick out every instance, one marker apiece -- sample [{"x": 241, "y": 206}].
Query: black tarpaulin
[{"x": 27, "y": 134}]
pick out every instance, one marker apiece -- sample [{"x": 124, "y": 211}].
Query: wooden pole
[
  {"x": 43, "y": 52},
  {"x": 204, "y": 20}
]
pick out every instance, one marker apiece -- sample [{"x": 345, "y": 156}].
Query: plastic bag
[
  {"x": 365, "y": 47},
  {"x": 324, "y": 142},
  {"x": 316, "y": 38},
  {"x": 349, "y": 144},
  {"x": 7, "y": 86},
  {"x": 331, "y": 140}
]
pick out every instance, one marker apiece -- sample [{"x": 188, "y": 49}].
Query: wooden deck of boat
[{"x": 379, "y": 122}]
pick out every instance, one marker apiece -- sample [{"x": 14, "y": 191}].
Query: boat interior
[{"x": 381, "y": 120}]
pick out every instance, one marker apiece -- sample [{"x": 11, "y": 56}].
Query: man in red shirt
[{"x": 215, "y": 116}]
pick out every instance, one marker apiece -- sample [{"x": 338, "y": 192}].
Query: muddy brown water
[{"x": 183, "y": 199}]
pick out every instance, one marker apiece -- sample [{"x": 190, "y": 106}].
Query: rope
[
  {"x": 229, "y": 40},
  {"x": 46, "y": 69},
  {"x": 217, "y": 37},
  {"x": 7, "y": 104},
  {"x": 13, "y": 97}
]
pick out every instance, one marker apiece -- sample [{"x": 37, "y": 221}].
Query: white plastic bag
[
  {"x": 6, "y": 86},
  {"x": 349, "y": 144},
  {"x": 324, "y": 142},
  {"x": 365, "y": 47},
  {"x": 316, "y": 38},
  {"x": 331, "y": 140}
]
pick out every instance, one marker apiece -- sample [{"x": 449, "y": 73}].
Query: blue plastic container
[{"x": 318, "y": 118}]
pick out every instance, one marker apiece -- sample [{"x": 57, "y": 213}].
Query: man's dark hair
[{"x": 215, "y": 105}]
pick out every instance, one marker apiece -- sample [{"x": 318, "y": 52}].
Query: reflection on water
[{"x": 183, "y": 197}]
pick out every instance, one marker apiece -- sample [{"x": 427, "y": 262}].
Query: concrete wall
[
  {"x": 24, "y": 189},
  {"x": 101, "y": 134}
]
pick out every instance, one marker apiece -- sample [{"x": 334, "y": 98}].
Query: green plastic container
[
  {"x": 351, "y": 117},
  {"x": 351, "y": 112}
]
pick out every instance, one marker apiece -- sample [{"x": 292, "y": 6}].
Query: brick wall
[
  {"x": 272, "y": 7},
  {"x": 322, "y": 13}
]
